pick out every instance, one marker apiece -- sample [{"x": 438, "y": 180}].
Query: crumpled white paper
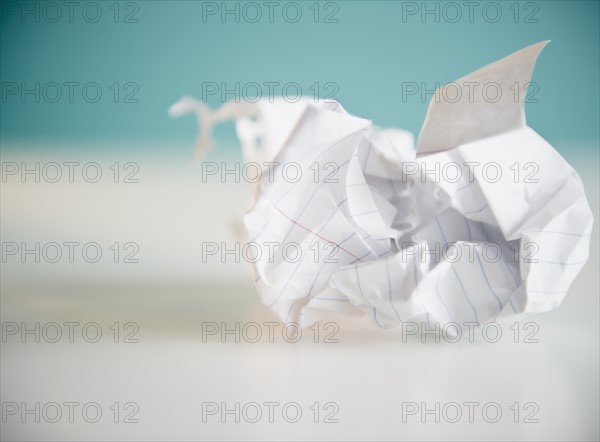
[{"x": 502, "y": 228}]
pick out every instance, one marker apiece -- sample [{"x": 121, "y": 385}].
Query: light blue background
[{"x": 368, "y": 53}]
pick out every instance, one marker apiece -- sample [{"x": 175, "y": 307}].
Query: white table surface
[{"x": 170, "y": 372}]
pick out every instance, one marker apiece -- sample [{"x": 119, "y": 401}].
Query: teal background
[{"x": 368, "y": 53}]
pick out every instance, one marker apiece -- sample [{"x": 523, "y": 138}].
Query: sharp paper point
[{"x": 486, "y": 102}]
